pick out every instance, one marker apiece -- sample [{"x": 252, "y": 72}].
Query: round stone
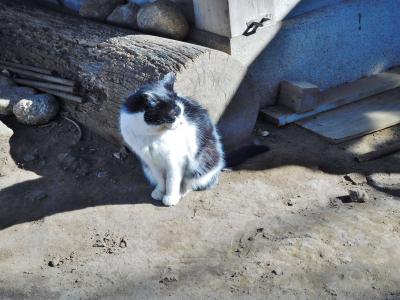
[
  {"x": 9, "y": 95},
  {"x": 98, "y": 9},
  {"x": 124, "y": 15},
  {"x": 163, "y": 18},
  {"x": 36, "y": 110}
]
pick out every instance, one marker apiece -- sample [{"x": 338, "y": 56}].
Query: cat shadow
[
  {"x": 295, "y": 146},
  {"x": 54, "y": 175}
]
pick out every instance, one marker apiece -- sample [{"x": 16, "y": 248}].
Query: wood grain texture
[
  {"x": 356, "y": 119},
  {"x": 108, "y": 63}
]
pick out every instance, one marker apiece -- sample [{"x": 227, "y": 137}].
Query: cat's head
[{"x": 156, "y": 103}]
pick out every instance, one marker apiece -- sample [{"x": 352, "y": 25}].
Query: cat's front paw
[
  {"x": 157, "y": 194},
  {"x": 169, "y": 200}
]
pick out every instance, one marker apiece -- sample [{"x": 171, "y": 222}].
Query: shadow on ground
[
  {"x": 65, "y": 177},
  {"x": 70, "y": 176}
]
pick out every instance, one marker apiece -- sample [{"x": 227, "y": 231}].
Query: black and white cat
[{"x": 175, "y": 139}]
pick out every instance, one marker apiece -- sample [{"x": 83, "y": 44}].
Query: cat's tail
[{"x": 239, "y": 156}]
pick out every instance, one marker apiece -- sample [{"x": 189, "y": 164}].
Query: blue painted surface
[
  {"x": 331, "y": 46},
  {"x": 306, "y": 6}
]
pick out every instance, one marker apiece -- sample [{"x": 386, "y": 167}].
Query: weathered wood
[
  {"x": 379, "y": 153},
  {"x": 299, "y": 96},
  {"x": 45, "y": 85},
  {"x": 61, "y": 95},
  {"x": 336, "y": 97},
  {"x": 24, "y": 67},
  {"x": 357, "y": 119},
  {"x": 39, "y": 76},
  {"x": 108, "y": 63}
]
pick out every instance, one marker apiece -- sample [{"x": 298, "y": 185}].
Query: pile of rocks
[
  {"x": 158, "y": 17},
  {"x": 28, "y": 106}
]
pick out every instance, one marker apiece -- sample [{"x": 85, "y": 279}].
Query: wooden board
[
  {"x": 357, "y": 119},
  {"x": 337, "y": 96}
]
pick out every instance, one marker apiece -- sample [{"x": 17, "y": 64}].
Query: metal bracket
[{"x": 252, "y": 26}]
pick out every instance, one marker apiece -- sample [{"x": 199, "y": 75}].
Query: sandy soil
[{"x": 77, "y": 222}]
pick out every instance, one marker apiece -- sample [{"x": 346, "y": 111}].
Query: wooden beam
[
  {"x": 336, "y": 97},
  {"x": 357, "y": 119},
  {"x": 379, "y": 153}
]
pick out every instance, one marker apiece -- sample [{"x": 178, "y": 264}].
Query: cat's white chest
[
  {"x": 173, "y": 145},
  {"x": 162, "y": 147}
]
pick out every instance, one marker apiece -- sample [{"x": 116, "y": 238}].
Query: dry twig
[{"x": 77, "y": 127}]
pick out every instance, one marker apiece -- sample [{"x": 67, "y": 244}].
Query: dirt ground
[{"x": 77, "y": 222}]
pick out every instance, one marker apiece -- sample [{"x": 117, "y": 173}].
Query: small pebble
[
  {"x": 358, "y": 196},
  {"x": 101, "y": 174},
  {"x": 261, "y": 132},
  {"x": 355, "y": 178},
  {"x": 277, "y": 271},
  {"x": 117, "y": 155},
  {"x": 99, "y": 244},
  {"x": 54, "y": 262},
  {"x": 122, "y": 243}
]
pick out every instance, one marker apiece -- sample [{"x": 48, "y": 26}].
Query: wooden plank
[
  {"x": 372, "y": 142},
  {"x": 299, "y": 96},
  {"x": 337, "y": 96},
  {"x": 357, "y": 119},
  {"x": 379, "y": 153}
]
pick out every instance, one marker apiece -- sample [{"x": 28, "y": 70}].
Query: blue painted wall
[
  {"x": 331, "y": 45},
  {"x": 306, "y": 6}
]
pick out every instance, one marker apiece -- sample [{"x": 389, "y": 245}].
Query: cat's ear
[{"x": 169, "y": 81}]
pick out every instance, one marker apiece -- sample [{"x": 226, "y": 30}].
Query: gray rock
[
  {"x": 73, "y": 5},
  {"x": 55, "y": 262},
  {"x": 385, "y": 180},
  {"x": 37, "y": 109},
  {"x": 9, "y": 95},
  {"x": 355, "y": 178},
  {"x": 358, "y": 196},
  {"x": 98, "y": 9},
  {"x": 163, "y": 18},
  {"x": 141, "y": 2},
  {"x": 124, "y": 15}
]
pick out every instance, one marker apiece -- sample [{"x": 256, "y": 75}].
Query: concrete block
[
  {"x": 299, "y": 96},
  {"x": 230, "y": 18}
]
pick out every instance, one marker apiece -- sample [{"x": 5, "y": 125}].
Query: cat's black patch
[
  {"x": 135, "y": 103},
  {"x": 162, "y": 113},
  {"x": 158, "y": 102},
  {"x": 208, "y": 154}
]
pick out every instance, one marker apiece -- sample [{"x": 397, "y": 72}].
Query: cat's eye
[{"x": 151, "y": 104}]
